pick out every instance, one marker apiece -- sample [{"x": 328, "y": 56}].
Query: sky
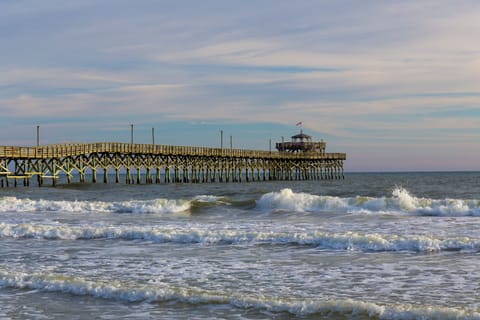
[{"x": 394, "y": 84}]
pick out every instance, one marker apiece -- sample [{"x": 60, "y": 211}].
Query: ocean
[{"x": 371, "y": 246}]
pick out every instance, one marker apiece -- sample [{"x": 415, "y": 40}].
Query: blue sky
[{"x": 395, "y": 84}]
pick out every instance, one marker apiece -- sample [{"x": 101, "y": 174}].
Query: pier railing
[{"x": 76, "y": 149}]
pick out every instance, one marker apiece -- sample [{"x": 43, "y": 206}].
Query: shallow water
[{"x": 399, "y": 245}]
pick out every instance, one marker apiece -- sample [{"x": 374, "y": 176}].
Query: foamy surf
[
  {"x": 285, "y": 200},
  {"x": 190, "y": 234},
  {"x": 209, "y": 199},
  {"x": 13, "y": 204},
  {"x": 401, "y": 201},
  {"x": 155, "y": 291}
]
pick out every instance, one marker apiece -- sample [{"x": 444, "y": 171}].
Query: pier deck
[{"x": 148, "y": 163}]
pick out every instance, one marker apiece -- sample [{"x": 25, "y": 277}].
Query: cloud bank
[{"x": 383, "y": 81}]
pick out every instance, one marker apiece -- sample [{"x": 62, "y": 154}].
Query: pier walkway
[{"x": 148, "y": 163}]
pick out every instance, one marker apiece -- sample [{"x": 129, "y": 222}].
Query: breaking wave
[
  {"x": 285, "y": 200},
  {"x": 13, "y": 204},
  {"x": 400, "y": 201},
  {"x": 353, "y": 241},
  {"x": 154, "y": 291}
]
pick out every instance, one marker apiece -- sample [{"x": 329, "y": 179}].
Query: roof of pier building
[{"x": 302, "y": 136}]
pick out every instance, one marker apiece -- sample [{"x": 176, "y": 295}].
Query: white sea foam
[
  {"x": 400, "y": 201},
  {"x": 13, "y": 204},
  {"x": 207, "y": 198},
  {"x": 158, "y": 292},
  {"x": 354, "y": 241}
]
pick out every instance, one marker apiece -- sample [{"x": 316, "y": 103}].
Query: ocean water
[{"x": 372, "y": 246}]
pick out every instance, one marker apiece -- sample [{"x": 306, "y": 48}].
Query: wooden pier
[{"x": 148, "y": 163}]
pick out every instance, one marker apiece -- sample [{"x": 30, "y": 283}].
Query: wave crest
[
  {"x": 400, "y": 201},
  {"x": 13, "y": 204},
  {"x": 159, "y": 292},
  {"x": 189, "y": 234}
]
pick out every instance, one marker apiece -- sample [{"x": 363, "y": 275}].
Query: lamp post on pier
[
  {"x": 221, "y": 139},
  {"x": 131, "y": 133},
  {"x": 38, "y": 136}
]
